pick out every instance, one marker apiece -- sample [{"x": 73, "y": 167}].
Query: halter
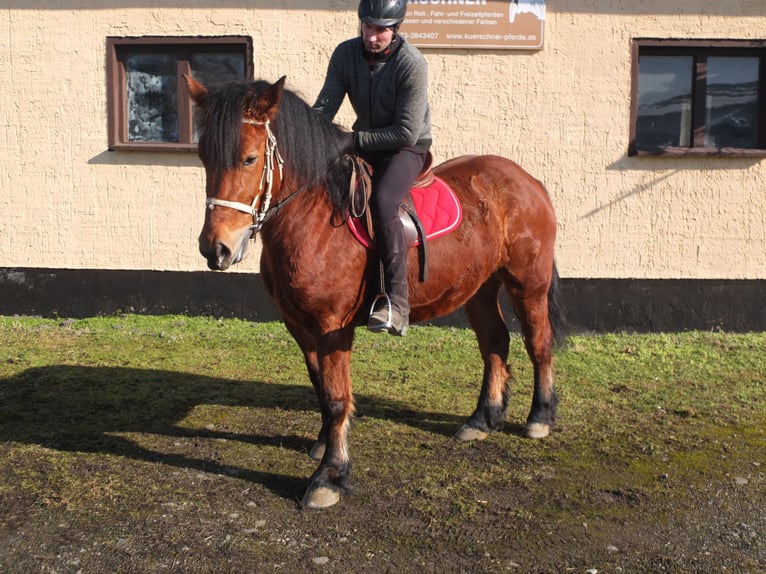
[{"x": 271, "y": 156}]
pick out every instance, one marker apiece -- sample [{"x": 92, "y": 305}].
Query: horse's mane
[{"x": 311, "y": 145}]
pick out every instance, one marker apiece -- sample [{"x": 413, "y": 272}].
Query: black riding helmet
[{"x": 386, "y": 13}]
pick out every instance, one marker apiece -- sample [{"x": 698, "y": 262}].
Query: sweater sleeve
[{"x": 333, "y": 91}]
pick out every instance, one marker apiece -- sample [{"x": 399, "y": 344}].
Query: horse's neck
[{"x": 306, "y": 212}]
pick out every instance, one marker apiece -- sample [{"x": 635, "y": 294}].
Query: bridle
[{"x": 272, "y": 159}]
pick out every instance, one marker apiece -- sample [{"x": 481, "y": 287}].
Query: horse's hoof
[
  {"x": 317, "y": 451},
  {"x": 467, "y": 433},
  {"x": 537, "y": 430},
  {"x": 320, "y": 497}
]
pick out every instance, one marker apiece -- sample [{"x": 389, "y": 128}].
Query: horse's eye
[{"x": 249, "y": 161}]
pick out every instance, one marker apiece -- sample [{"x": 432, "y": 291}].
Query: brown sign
[{"x": 488, "y": 24}]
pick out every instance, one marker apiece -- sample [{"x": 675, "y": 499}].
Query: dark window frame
[
  {"x": 700, "y": 50},
  {"x": 120, "y": 47}
]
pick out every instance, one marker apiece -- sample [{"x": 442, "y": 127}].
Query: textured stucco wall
[{"x": 562, "y": 113}]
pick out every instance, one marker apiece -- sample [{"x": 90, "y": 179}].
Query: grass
[{"x": 135, "y": 420}]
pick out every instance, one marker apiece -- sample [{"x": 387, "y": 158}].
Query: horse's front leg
[
  {"x": 331, "y": 478},
  {"x": 312, "y": 365},
  {"x": 307, "y": 342}
]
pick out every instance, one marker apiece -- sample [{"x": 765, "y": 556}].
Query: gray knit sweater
[{"x": 390, "y": 97}]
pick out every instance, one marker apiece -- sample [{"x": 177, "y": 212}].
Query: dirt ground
[
  {"x": 118, "y": 456},
  {"x": 176, "y": 505}
]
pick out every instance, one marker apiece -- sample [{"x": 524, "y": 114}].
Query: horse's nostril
[
  {"x": 218, "y": 255},
  {"x": 222, "y": 252},
  {"x": 222, "y": 258}
]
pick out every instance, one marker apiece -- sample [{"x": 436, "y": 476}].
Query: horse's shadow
[{"x": 90, "y": 409}]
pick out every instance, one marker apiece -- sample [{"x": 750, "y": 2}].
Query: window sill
[
  {"x": 697, "y": 152},
  {"x": 154, "y": 147}
]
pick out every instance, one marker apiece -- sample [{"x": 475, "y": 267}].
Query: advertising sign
[{"x": 483, "y": 24}]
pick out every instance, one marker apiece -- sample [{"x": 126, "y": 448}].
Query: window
[
  {"x": 698, "y": 97},
  {"x": 148, "y": 105}
]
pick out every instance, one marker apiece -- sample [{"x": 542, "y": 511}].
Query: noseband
[{"x": 263, "y": 212}]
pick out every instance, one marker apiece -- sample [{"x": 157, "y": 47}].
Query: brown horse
[{"x": 276, "y": 167}]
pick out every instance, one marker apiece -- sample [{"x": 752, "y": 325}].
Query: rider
[{"x": 386, "y": 80}]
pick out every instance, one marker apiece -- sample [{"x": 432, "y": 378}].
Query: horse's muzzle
[{"x": 220, "y": 255}]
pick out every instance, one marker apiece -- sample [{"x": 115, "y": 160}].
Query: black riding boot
[{"x": 390, "y": 311}]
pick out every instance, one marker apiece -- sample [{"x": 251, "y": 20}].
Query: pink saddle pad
[{"x": 436, "y": 205}]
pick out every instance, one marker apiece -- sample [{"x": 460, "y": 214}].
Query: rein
[
  {"x": 360, "y": 187},
  {"x": 265, "y": 211},
  {"x": 361, "y": 182}
]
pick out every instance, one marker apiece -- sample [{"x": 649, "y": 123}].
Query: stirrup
[
  {"x": 380, "y": 325},
  {"x": 381, "y": 319}
]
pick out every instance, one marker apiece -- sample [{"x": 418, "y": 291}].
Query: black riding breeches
[{"x": 392, "y": 178}]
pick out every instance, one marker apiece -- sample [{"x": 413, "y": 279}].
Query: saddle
[{"x": 430, "y": 210}]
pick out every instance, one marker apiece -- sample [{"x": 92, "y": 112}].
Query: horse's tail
[{"x": 555, "y": 310}]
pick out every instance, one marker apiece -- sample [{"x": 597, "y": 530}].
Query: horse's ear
[
  {"x": 197, "y": 91},
  {"x": 266, "y": 104}
]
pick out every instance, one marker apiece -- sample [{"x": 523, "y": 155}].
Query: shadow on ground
[{"x": 86, "y": 409}]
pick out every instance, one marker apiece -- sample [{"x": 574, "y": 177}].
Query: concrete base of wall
[{"x": 600, "y": 305}]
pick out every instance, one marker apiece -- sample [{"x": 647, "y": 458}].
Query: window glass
[
  {"x": 664, "y": 101},
  {"x": 152, "y": 97},
  {"x": 210, "y": 68},
  {"x": 732, "y": 102}
]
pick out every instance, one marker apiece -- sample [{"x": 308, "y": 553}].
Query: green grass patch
[{"x": 177, "y": 425}]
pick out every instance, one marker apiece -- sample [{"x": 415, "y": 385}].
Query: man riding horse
[{"x": 386, "y": 81}]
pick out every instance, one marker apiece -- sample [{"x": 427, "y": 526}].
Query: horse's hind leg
[
  {"x": 492, "y": 334},
  {"x": 532, "y": 311}
]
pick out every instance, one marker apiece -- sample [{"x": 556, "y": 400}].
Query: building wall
[{"x": 562, "y": 113}]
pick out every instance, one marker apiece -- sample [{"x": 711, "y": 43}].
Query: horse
[{"x": 276, "y": 168}]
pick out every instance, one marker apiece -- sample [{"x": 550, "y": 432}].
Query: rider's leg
[{"x": 393, "y": 175}]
